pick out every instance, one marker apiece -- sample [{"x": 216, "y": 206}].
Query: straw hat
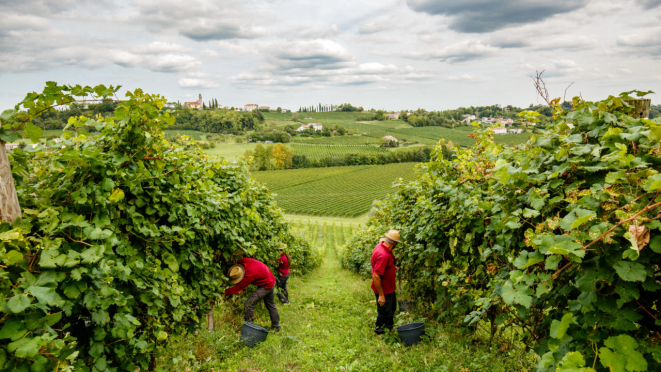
[
  {"x": 393, "y": 235},
  {"x": 236, "y": 273}
]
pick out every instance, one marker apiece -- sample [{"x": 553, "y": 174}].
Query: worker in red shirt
[
  {"x": 249, "y": 271},
  {"x": 283, "y": 269},
  {"x": 383, "y": 281}
]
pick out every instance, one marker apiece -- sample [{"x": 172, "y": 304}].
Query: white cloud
[
  {"x": 156, "y": 63},
  {"x": 464, "y": 77},
  {"x": 197, "y": 83}
]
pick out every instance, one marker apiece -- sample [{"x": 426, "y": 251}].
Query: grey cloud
[
  {"x": 478, "y": 16},
  {"x": 535, "y": 42},
  {"x": 318, "y": 54},
  {"x": 314, "y": 63},
  {"x": 460, "y": 52},
  {"x": 642, "y": 43},
  {"x": 201, "y": 20},
  {"x": 649, "y": 4}
]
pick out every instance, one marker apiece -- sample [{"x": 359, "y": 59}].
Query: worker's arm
[
  {"x": 238, "y": 287},
  {"x": 377, "y": 284}
]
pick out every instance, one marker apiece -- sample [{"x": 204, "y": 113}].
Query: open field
[
  {"x": 230, "y": 150},
  {"x": 335, "y": 191},
  {"x": 318, "y": 151}
]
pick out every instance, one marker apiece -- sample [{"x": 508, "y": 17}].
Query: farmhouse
[
  {"x": 315, "y": 126},
  {"x": 250, "y": 107},
  {"x": 195, "y": 104},
  {"x": 468, "y": 118},
  {"x": 515, "y": 130},
  {"x": 394, "y": 116},
  {"x": 499, "y": 130},
  {"x": 390, "y": 139},
  {"x": 11, "y": 146}
]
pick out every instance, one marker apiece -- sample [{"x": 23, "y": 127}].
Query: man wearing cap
[
  {"x": 383, "y": 281},
  {"x": 249, "y": 271}
]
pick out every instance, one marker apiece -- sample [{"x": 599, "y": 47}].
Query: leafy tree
[{"x": 282, "y": 156}]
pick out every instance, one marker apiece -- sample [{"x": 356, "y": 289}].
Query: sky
[{"x": 383, "y": 54}]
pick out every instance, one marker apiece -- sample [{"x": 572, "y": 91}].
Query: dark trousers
[
  {"x": 385, "y": 317},
  {"x": 269, "y": 301},
  {"x": 283, "y": 293}
]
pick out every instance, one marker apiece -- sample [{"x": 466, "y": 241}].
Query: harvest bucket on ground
[
  {"x": 410, "y": 333},
  {"x": 252, "y": 334}
]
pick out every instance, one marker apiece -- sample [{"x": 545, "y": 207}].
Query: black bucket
[
  {"x": 410, "y": 333},
  {"x": 406, "y": 305},
  {"x": 252, "y": 334}
]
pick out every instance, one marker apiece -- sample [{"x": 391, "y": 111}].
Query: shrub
[{"x": 549, "y": 236}]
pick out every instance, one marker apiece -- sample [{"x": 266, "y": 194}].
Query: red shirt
[
  {"x": 383, "y": 263},
  {"x": 256, "y": 273},
  {"x": 284, "y": 265}
]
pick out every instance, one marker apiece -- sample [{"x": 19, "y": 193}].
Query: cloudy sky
[{"x": 391, "y": 54}]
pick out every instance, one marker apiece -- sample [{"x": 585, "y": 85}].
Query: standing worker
[
  {"x": 383, "y": 281},
  {"x": 249, "y": 271},
  {"x": 283, "y": 269}
]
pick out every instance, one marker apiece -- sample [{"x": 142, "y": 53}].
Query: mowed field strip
[
  {"x": 334, "y": 191},
  {"x": 314, "y": 152}
]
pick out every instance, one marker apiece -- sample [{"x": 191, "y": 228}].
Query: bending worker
[
  {"x": 383, "y": 281},
  {"x": 283, "y": 269},
  {"x": 249, "y": 271}
]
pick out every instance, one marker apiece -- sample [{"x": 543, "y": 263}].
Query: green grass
[
  {"x": 328, "y": 327},
  {"x": 334, "y": 191},
  {"x": 298, "y": 219},
  {"x": 230, "y": 150},
  {"x": 338, "y": 140},
  {"x": 317, "y": 151},
  {"x": 194, "y": 134}
]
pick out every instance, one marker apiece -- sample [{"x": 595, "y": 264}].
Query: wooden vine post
[
  {"x": 10, "y": 210},
  {"x": 641, "y": 107}
]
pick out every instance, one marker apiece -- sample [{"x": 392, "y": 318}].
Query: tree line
[{"x": 278, "y": 156}]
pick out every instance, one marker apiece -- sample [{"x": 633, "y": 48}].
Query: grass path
[{"x": 329, "y": 325}]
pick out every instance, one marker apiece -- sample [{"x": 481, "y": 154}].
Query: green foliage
[
  {"x": 216, "y": 121},
  {"x": 538, "y": 237},
  {"x": 336, "y": 191},
  {"x": 124, "y": 240}
]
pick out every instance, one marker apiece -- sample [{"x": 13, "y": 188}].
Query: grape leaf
[
  {"x": 620, "y": 355},
  {"x": 18, "y": 304},
  {"x": 630, "y": 271}
]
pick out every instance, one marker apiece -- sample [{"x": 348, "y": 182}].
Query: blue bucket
[
  {"x": 410, "y": 333},
  {"x": 252, "y": 334}
]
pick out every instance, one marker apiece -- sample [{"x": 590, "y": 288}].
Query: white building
[
  {"x": 11, "y": 146},
  {"x": 469, "y": 118},
  {"x": 515, "y": 130},
  {"x": 250, "y": 107},
  {"x": 499, "y": 130},
  {"x": 393, "y": 116},
  {"x": 315, "y": 126},
  {"x": 195, "y": 104}
]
